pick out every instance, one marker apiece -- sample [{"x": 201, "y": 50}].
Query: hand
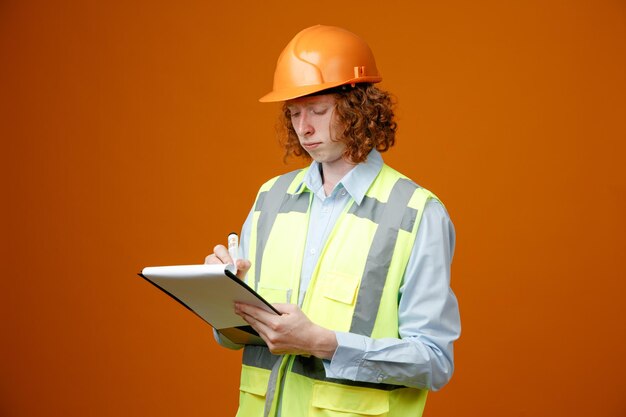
[
  {"x": 290, "y": 333},
  {"x": 220, "y": 255}
]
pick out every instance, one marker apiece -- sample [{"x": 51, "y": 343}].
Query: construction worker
[{"x": 354, "y": 255}]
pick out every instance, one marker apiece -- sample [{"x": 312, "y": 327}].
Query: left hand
[{"x": 290, "y": 333}]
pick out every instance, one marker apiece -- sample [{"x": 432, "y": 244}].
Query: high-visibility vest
[{"x": 354, "y": 288}]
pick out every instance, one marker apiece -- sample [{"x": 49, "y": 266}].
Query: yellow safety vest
[{"x": 356, "y": 291}]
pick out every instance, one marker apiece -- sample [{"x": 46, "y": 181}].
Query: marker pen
[{"x": 233, "y": 247}]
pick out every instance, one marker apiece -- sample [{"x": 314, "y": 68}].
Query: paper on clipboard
[{"x": 210, "y": 291}]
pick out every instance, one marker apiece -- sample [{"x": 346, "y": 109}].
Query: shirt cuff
[{"x": 348, "y": 358}]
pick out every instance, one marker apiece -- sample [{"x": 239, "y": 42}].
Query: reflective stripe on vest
[
  {"x": 259, "y": 356},
  {"x": 389, "y": 217},
  {"x": 270, "y": 203},
  {"x": 313, "y": 368}
]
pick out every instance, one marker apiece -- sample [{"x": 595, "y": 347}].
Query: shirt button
[
  {"x": 380, "y": 378},
  {"x": 313, "y": 251},
  {"x": 343, "y": 192}
]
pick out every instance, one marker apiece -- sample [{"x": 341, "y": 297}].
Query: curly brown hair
[{"x": 365, "y": 120}]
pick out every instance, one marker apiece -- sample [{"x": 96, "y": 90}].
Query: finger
[
  {"x": 222, "y": 254},
  {"x": 256, "y": 325},
  {"x": 256, "y": 313},
  {"x": 285, "y": 308},
  {"x": 250, "y": 321},
  {"x": 261, "y": 329},
  {"x": 212, "y": 259},
  {"x": 243, "y": 265}
]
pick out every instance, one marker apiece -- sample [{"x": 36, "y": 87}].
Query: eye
[
  {"x": 294, "y": 114},
  {"x": 320, "y": 111}
]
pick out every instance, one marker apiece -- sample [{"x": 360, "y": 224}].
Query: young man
[{"x": 354, "y": 254}]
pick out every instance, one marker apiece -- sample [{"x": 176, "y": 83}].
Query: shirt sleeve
[
  {"x": 243, "y": 254},
  {"x": 428, "y": 319}
]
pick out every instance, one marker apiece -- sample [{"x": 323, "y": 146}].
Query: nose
[{"x": 303, "y": 126}]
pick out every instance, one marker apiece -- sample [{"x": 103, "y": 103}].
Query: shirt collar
[{"x": 356, "y": 182}]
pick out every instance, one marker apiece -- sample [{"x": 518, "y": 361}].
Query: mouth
[{"x": 311, "y": 145}]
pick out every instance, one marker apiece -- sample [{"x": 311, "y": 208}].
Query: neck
[{"x": 333, "y": 172}]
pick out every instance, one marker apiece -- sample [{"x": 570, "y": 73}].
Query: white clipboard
[{"x": 210, "y": 291}]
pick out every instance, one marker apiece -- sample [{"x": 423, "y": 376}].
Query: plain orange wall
[{"x": 121, "y": 123}]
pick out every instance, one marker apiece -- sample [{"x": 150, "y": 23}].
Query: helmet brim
[{"x": 305, "y": 90}]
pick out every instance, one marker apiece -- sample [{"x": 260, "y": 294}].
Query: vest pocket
[
  {"x": 340, "y": 287},
  {"x": 336, "y": 400},
  {"x": 334, "y": 298},
  {"x": 274, "y": 294},
  {"x": 252, "y": 390}
]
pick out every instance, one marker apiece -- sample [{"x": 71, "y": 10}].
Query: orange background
[{"x": 122, "y": 124}]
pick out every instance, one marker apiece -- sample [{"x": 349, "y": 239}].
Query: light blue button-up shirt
[{"x": 427, "y": 308}]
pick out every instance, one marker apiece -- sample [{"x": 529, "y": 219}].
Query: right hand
[{"x": 220, "y": 255}]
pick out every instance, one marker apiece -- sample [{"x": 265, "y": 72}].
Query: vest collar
[{"x": 356, "y": 182}]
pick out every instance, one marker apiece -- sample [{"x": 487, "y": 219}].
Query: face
[{"x": 313, "y": 120}]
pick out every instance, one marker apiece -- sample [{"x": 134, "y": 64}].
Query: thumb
[{"x": 243, "y": 265}]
